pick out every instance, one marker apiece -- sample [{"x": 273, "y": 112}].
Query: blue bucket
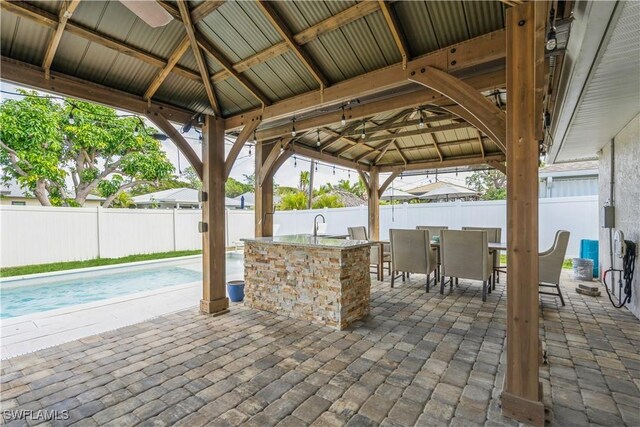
[{"x": 235, "y": 289}]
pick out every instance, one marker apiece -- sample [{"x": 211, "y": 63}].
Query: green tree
[
  {"x": 327, "y": 201},
  {"x": 303, "y": 183},
  {"x": 490, "y": 184},
  {"x": 295, "y": 200},
  {"x": 192, "y": 178},
  {"x": 235, "y": 188},
  {"x": 99, "y": 150}
]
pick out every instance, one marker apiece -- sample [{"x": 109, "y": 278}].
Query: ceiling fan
[{"x": 150, "y": 12}]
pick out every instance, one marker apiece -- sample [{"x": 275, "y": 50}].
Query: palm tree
[{"x": 304, "y": 181}]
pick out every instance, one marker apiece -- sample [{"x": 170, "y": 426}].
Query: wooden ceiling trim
[
  {"x": 324, "y": 157},
  {"x": 164, "y": 73},
  {"x": 437, "y": 164},
  {"x": 415, "y": 132},
  {"x": 204, "y": 9}
]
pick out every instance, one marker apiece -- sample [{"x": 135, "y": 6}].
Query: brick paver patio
[{"x": 419, "y": 358}]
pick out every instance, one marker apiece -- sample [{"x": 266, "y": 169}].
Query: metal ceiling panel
[
  {"x": 417, "y": 25},
  {"x": 26, "y": 40},
  {"x": 448, "y": 22},
  {"x": 189, "y": 61},
  {"x": 137, "y": 74},
  {"x": 483, "y": 16},
  {"x": 52, "y": 6},
  {"x": 183, "y": 92}
]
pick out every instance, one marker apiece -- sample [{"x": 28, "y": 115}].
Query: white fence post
[
  {"x": 175, "y": 229},
  {"x": 99, "y": 222}
]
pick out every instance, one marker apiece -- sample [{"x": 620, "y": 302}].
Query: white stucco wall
[{"x": 626, "y": 177}]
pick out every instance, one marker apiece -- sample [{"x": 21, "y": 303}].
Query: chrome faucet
[{"x": 315, "y": 224}]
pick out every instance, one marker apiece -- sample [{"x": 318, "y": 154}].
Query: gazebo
[{"x": 378, "y": 87}]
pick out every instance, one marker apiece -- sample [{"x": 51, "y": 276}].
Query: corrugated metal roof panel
[
  {"x": 183, "y": 92},
  {"x": 417, "y": 26},
  {"x": 448, "y": 22},
  {"x": 189, "y": 61},
  {"x": 124, "y": 67},
  {"x": 483, "y": 16},
  {"x": 52, "y": 6},
  {"x": 26, "y": 40}
]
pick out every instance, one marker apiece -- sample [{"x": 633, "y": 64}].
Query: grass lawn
[
  {"x": 58, "y": 266},
  {"x": 568, "y": 264}
]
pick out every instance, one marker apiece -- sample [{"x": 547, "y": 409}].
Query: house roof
[
  {"x": 570, "y": 169},
  {"x": 423, "y": 189},
  {"x": 177, "y": 195}
]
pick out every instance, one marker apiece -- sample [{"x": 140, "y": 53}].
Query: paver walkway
[{"x": 419, "y": 358}]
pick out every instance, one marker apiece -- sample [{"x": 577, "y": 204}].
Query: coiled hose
[{"x": 628, "y": 267}]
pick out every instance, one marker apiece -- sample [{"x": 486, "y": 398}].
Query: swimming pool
[{"x": 68, "y": 290}]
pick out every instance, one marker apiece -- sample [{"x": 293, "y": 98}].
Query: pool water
[{"x": 21, "y": 300}]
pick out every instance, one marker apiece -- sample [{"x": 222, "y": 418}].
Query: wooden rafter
[
  {"x": 407, "y": 100},
  {"x": 405, "y": 124},
  {"x": 228, "y": 66},
  {"x": 474, "y": 107},
  {"x": 244, "y": 136},
  {"x": 164, "y": 73},
  {"x": 480, "y": 143},
  {"x": 65, "y": 13},
  {"x": 383, "y": 151},
  {"x": 204, "y": 9},
  {"x": 396, "y": 31},
  {"x": 288, "y": 37},
  {"x": 337, "y": 136},
  {"x": 434, "y": 139},
  {"x": 318, "y": 155},
  {"x": 436, "y": 163},
  {"x": 32, "y": 76},
  {"x": 424, "y": 130},
  {"x": 498, "y": 166},
  {"x": 470, "y": 55},
  {"x": 197, "y": 53},
  {"x": 399, "y": 150},
  {"x": 455, "y": 143}
]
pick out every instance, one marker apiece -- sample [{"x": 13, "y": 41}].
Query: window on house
[{"x": 19, "y": 203}]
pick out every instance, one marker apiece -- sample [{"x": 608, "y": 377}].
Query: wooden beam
[
  {"x": 414, "y": 99},
  {"x": 307, "y": 35},
  {"x": 424, "y": 130},
  {"x": 179, "y": 140},
  {"x": 387, "y": 182},
  {"x": 197, "y": 53},
  {"x": 204, "y": 9},
  {"x": 480, "y": 143},
  {"x": 499, "y": 166},
  {"x": 405, "y": 124},
  {"x": 318, "y": 155},
  {"x": 521, "y": 396},
  {"x": 214, "y": 297},
  {"x": 404, "y": 158},
  {"x": 491, "y": 118},
  {"x": 273, "y": 167},
  {"x": 476, "y": 53},
  {"x": 26, "y": 10},
  {"x": 29, "y": 75},
  {"x": 448, "y": 162},
  {"x": 455, "y": 143},
  {"x": 365, "y": 178},
  {"x": 244, "y": 136},
  {"x": 396, "y": 31},
  {"x": 164, "y": 73},
  {"x": 434, "y": 140},
  {"x": 383, "y": 151},
  {"x": 268, "y": 162},
  {"x": 337, "y": 136},
  {"x": 286, "y": 34},
  {"x": 228, "y": 66},
  {"x": 263, "y": 207},
  {"x": 373, "y": 203},
  {"x": 65, "y": 13}
]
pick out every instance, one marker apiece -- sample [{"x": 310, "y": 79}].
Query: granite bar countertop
[{"x": 305, "y": 240}]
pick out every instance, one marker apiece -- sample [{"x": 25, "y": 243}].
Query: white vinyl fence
[{"x": 37, "y": 235}]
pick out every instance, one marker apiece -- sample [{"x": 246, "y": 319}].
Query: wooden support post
[
  {"x": 214, "y": 297},
  {"x": 374, "y": 204},
  {"x": 264, "y": 190},
  {"x": 522, "y": 395}
]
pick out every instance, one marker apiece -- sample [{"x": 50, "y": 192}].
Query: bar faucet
[{"x": 315, "y": 224}]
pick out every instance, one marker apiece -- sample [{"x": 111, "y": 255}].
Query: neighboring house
[
  {"x": 178, "y": 198},
  {"x": 347, "y": 199},
  {"x": 569, "y": 179},
  {"x": 12, "y": 194},
  {"x": 446, "y": 191}
]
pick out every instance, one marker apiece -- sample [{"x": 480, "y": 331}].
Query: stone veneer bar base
[{"x": 328, "y": 286}]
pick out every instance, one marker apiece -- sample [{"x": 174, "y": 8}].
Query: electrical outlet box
[
  {"x": 203, "y": 227},
  {"x": 608, "y": 217}
]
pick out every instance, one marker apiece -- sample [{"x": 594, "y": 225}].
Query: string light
[
  {"x": 255, "y": 139},
  {"x": 364, "y": 133},
  {"x": 318, "y": 138},
  {"x": 421, "y": 121},
  {"x": 293, "y": 127},
  {"x": 72, "y": 120},
  {"x": 249, "y": 150},
  {"x": 343, "y": 121},
  {"x": 295, "y": 162},
  {"x": 334, "y": 170},
  {"x": 316, "y": 166}
]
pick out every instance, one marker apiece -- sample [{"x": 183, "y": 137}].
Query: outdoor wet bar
[{"x": 321, "y": 280}]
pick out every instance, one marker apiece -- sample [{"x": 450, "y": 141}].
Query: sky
[{"x": 288, "y": 174}]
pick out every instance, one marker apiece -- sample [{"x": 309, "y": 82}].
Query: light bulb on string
[
  {"x": 318, "y": 138},
  {"x": 334, "y": 170},
  {"x": 72, "y": 119},
  {"x": 295, "y": 162},
  {"x": 255, "y": 140},
  {"x": 343, "y": 121},
  {"x": 316, "y": 166},
  {"x": 363, "y": 134},
  {"x": 293, "y": 127},
  {"x": 456, "y": 171},
  {"x": 249, "y": 150},
  {"x": 421, "y": 121}
]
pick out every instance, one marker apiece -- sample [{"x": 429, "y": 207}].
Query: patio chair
[
  {"x": 550, "y": 264},
  {"x": 494, "y": 235},
  {"x": 434, "y": 230},
  {"x": 360, "y": 233},
  {"x": 411, "y": 252},
  {"x": 465, "y": 255}
]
